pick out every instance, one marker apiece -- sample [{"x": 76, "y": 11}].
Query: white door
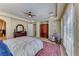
[{"x": 30, "y": 30}]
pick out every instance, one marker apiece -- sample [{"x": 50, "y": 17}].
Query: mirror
[{"x": 19, "y": 28}]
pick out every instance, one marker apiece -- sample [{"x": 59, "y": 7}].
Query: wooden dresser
[{"x": 19, "y": 33}]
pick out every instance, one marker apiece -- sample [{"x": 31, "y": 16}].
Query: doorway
[
  {"x": 44, "y": 30},
  {"x": 31, "y": 31},
  {"x": 2, "y": 29}
]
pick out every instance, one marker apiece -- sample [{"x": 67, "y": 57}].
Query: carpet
[{"x": 49, "y": 50}]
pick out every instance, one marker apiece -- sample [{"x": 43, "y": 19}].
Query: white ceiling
[{"x": 41, "y": 10}]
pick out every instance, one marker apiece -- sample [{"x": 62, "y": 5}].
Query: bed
[{"x": 21, "y": 46}]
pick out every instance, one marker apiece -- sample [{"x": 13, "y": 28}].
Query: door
[
  {"x": 31, "y": 30},
  {"x": 44, "y": 30}
]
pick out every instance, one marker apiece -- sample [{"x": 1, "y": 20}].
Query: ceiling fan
[{"x": 29, "y": 14}]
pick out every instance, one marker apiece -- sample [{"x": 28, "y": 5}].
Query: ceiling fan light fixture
[{"x": 29, "y": 16}]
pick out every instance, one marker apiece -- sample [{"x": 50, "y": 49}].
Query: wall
[
  {"x": 14, "y": 23},
  {"x": 60, "y": 7},
  {"x": 62, "y": 28},
  {"x": 11, "y": 24},
  {"x": 38, "y": 29},
  {"x": 54, "y": 26},
  {"x": 77, "y": 29}
]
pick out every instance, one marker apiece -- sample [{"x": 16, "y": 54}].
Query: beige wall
[
  {"x": 60, "y": 7},
  {"x": 62, "y": 28},
  {"x": 45, "y": 22},
  {"x": 38, "y": 29},
  {"x": 54, "y": 26},
  {"x": 11, "y": 24},
  {"x": 77, "y": 29},
  {"x": 14, "y": 23}
]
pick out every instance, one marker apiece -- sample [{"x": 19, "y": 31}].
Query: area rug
[{"x": 49, "y": 50}]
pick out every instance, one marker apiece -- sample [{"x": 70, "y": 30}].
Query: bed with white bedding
[{"x": 24, "y": 46}]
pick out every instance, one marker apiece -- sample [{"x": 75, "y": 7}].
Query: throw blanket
[
  {"x": 24, "y": 46},
  {"x": 4, "y": 50},
  {"x": 49, "y": 50}
]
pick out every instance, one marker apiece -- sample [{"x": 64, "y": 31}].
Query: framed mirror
[{"x": 19, "y": 28}]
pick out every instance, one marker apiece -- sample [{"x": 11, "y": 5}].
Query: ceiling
[{"x": 41, "y": 10}]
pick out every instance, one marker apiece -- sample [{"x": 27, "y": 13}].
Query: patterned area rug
[{"x": 49, "y": 50}]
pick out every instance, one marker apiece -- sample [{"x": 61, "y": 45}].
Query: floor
[{"x": 62, "y": 49}]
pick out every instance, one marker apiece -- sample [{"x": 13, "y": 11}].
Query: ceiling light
[{"x": 29, "y": 16}]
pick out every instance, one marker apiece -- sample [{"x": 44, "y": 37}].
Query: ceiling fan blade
[
  {"x": 29, "y": 14},
  {"x": 33, "y": 15},
  {"x": 25, "y": 13}
]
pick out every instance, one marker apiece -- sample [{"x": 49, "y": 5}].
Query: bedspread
[{"x": 24, "y": 46}]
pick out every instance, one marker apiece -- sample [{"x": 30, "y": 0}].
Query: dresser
[{"x": 19, "y": 33}]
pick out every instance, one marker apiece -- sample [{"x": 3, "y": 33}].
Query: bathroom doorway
[{"x": 2, "y": 29}]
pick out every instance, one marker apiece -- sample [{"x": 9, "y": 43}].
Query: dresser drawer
[{"x": 19, "y": 34}]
